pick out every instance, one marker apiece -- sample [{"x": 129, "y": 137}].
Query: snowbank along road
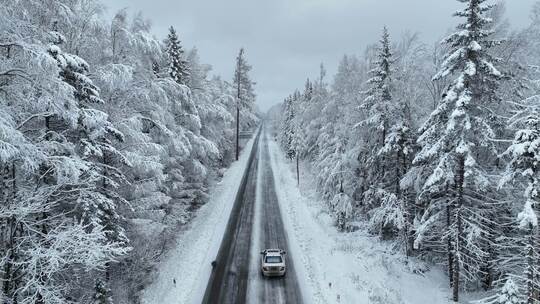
[{"x": 255, "y": 224}]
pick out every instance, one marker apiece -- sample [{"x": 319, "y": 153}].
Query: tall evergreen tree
[
  {"x": 451, "y": 140},
  {"x": 392, "y": 145},
  {"x": 379, "y": 97},
  {"x": 380, "y": 112},
  {"x": 524, "y": 169},
  {"x": 178, "y": 66},
  {"x": 288, "y": 132},
  {"x": 243, "y": 92}
]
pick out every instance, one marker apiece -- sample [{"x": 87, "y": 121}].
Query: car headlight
[
  {"x": 282, "y": 268},
  {"x": 265, "y": 268}
]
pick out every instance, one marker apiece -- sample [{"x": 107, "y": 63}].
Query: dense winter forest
[
  {"x": 109, "y": 139},
  {"x": 437, "y": 147}
]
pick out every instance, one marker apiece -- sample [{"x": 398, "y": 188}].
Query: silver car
[{"x": 273, "y": 263}]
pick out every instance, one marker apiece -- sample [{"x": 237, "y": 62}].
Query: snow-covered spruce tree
[
  {"x": 395, "y": 208},
  {"x": 524, "y": 169},
  {"x": 378, "y": 100},
  {"x": 392, "y": 145},
  {"x": 312, "y": 119},
  {"x": 379, "y": 113},
  {"x": 287, "y": 127},
  {"x": 399, "y": 145},
  {"x": 299, "y": 142},
  {"x": 456, "y": 132},
  {"x": 178, "y": 66},
  {"x": 509, "y": 294},
  {"x": 290, "y": 126}
]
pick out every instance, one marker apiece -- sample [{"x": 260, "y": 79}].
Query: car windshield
[{"x": 273, "y": 259}]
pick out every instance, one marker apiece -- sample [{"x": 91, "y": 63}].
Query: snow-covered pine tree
[
  {"x": 378, "y": 100},
  {"x": 524, "y": 169},
  {"x": 298, "y": 143},
  {"x": 380, "y": 112},
  {"x": 244, "y": 93},
  {"x": 178, "y": 66},
  {"x": 399, "y": 145},
  {"x": 509, "y": 293},
  {"x": 315, "y": 98},
  {"x": 288, "y": 127},
  {"x": 308, "y": 91},
  {"x": 393, "y": 146},
  {"x": 395, "y": 210},
  {"x": 456, "y": 132}
]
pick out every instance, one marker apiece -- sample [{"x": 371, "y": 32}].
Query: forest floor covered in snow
[
  {"x": 183, "y": 274},
  {"x": 355, "y": 267}
]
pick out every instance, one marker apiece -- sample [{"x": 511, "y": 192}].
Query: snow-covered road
[
  {"x": 269, "y": 232},
  {"x": 270, "y": 211},
  {"x": 255, "y": 224}
]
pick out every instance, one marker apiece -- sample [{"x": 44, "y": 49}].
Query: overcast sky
[{"x": 286, "y": 40}]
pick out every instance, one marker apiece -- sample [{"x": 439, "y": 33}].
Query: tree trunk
[
  {"x": 536, "y": 263},
  {"x": 456, "y": 272},
  {"x": 537, "y": 279},
  {"x": 449, "y": 246},
  {"x": 6, "y": 275},
  {"x": 297, "y": 170},
  {"x": 398, "y": 175},
  {"x": 488, "y": 267},
  {"x": 382, "y": 163},
  {"x": 406, "y": 230},
  {"x": 460, "y": 179},
  {"x": 529, "y": 272}
]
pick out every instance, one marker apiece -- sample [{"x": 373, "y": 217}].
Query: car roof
[{"x": 273, "y": 251}]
